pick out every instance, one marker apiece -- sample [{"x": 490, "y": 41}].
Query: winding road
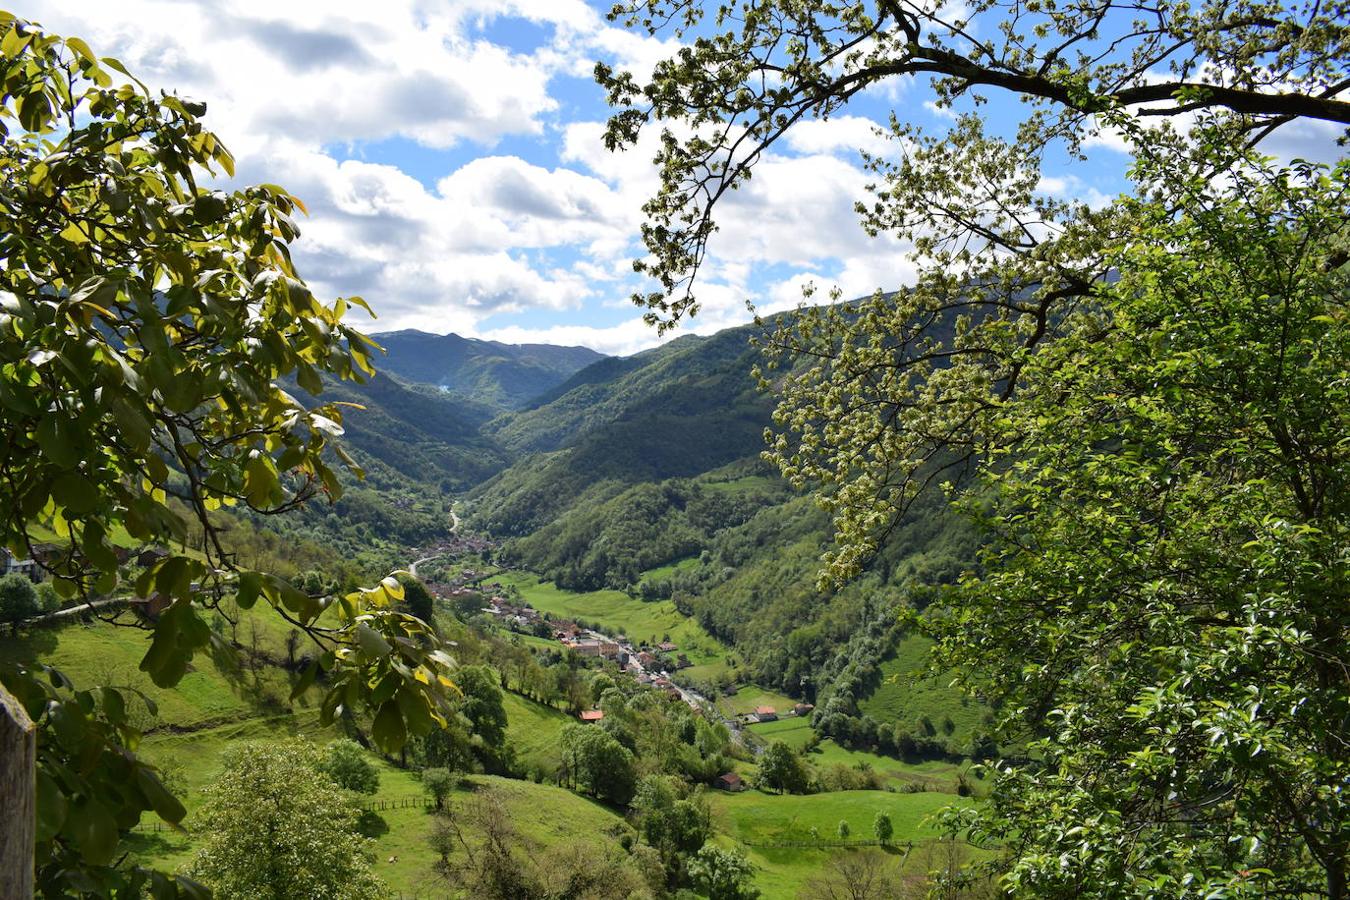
[{"x": 454, "y": 529}]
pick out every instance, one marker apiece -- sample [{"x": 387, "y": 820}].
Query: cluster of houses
[
  {"x": 648, "y": 665},
  {"x": 457, "y": 544},
  {"x": 521, "y": 615}
]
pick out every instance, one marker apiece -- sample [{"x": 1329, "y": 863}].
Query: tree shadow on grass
[{"x": 372, "y": 824}]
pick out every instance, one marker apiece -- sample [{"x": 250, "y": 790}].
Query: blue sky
[{"x": 450, "y": 156}]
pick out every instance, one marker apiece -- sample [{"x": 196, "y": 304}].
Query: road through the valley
[{"x": 454, "y": 529}]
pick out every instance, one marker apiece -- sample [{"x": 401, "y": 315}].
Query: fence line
[
  {"x": 830, "y": 844},
  {"x": 415, "y": 801}
]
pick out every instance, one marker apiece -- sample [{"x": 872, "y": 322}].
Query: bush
[
  {"x": 301, "y": 842},
  {"x": 18, "y": 599},
  {"x": 438, "y": 783},
  {"x": 345, "y": 763},
  {"x": 882, "y": 828},
  {"x": 47, "y": 597}
]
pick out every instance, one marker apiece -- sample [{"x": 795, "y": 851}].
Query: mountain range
[
  {"x": 643, "y": 474},
  {"x": 501, "y": 376}
]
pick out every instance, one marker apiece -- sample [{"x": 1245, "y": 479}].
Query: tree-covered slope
[
  {"x": 422, "y": 434},
  {"x": 677, "y": 411},
  {"x": 502, "y": 376}
]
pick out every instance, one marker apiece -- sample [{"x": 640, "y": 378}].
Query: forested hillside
[
  {"x": 673, "y": 412},
  {"x": 501, "y": 376}
]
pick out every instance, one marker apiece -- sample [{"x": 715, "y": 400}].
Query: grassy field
[
  {"x": 794, "y": 731},
  {"x": 905, "y": 694},
  {"x": 753, "y": 817},
  {"x": 669, "y": 569},
  {"x": 214, "y": 708},
  {"x": 106, "y": 654},
  {"x": 534, "y": 730},
  {"x": 708, "y": 672},
  {"x": 639, "y": 620},
  {"x": 403, "y": 858},
  {"x": 930, "y": 775},
  {"x": 749, "y": 697}
]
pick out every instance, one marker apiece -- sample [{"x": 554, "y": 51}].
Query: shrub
[
  {"x": 345, "y": 763},
  {"x": 438, "y": 783},
  {"x": 18, "y": 599}
]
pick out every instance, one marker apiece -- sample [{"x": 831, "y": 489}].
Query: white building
[{"x": 26, "y": 567}]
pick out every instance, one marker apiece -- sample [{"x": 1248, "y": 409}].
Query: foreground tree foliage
[
  {"x": 1167, "y": 597},
  {"x": 275, "y": 827},
  {"x": 1145, "y": 404},
  {"x": 945, "y": 357},
  {"x": 146, "y": 322}
]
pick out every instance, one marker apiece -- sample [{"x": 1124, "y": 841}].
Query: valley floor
[{"x": 787, "y": 837}]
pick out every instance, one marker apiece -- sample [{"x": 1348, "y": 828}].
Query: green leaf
[
  {"x": 413, "y": 707},
  {"x": 76, "y": 493},
  {"x": 93, "y": 830},
  {"x": 132, "y": 423},
  {"x": 114, "y": 707},
  {"x": 309, "y": 379},
  {"x": 179, "y": 633},
  {"x": 56, "y": 441},
  {"x": 389, "y": 732},
  {"x": 51, "y": 807},
  {"x": 81, "y": 48},
  {"x": 184, "y": 392},
  {"x": 74, "y": 234},
  {"x": 260, "y": 480},
  {"x": 250, "y": 586},
  {"x": 305, "y": 681},
  {"x": 371, "y": 641},
  {"x": 165, "y": 804}
]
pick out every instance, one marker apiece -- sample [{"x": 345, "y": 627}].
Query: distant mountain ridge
[
  {"x": 501, "y": 376},
  {"x": 675, "y": 411}
]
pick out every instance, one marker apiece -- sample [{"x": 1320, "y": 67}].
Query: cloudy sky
[{"x": 450, "y": 156}]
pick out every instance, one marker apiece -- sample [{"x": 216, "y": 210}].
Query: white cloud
[
  {"x": 617, "y": 340},
  {"x": 941, "y": 112},
  {"x": 1071, "y": 187},
  {"x": 322, "y": 73},
  {"x": 497, "y": 234},
  {"x": 840, "y": 134}
]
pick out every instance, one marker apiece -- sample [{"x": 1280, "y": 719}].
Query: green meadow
[
  {"x": 907, "y": 693},
  {"x": 749, "y": 697},
  {"x": 638, "y": 619},
  {"x": 754, "y": 818},
  {"x": 794, "y": 731},
  {"x": 215, "y": 707}
]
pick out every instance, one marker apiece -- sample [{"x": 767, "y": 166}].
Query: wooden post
[{"x": 18, "y": 798}]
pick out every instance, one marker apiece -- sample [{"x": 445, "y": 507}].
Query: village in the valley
[{"x": 649, "y": 664}]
